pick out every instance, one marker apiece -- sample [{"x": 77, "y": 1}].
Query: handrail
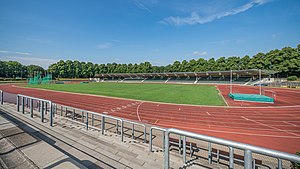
[
  {"x": 103, "y": 119},
  {"x": 34, "y": 98},
  {"x": 104, "y": 115},
  {"x": 248, "y": 149},
  {"x": 140, "y": 124},
  {"x": 31, "y": 106},
  {"x": 150, "y": 139}
]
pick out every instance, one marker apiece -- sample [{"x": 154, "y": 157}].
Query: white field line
[
  {"x": 137, "y": 111},
  {"x": 220, "y": 93},
  {"x": 270, "y": 126},
  {"x": 290, "y": 123},
  {"x": 208, "y": 113}
]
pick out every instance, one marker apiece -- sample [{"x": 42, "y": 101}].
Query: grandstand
[{"x": 246, "y": 77}]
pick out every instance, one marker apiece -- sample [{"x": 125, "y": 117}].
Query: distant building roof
[{"x": 250, "y": 72}]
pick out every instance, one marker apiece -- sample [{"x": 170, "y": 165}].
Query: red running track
[{"x": 275, "y": 126}]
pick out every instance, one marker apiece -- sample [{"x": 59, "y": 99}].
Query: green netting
[
  {"x": 39, "y": 80},
  {"x": 251, "y": 97},
  {"x": 47, "y": 79}
]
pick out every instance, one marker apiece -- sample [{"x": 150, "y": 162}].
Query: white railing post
[
  {"x": 2, "y": 98},
  {"x": 18, "y": 103},
  {"x": 23, "y": 105},
  {"x": 103, "y": 125},
  {"x": 247, "y": 159},
  {"x": 31, "y": 108},
  {"x": 231, "y": 158},
  {"x": 51, "y": 113},
  {"x": 122, "y": 130},
  {"x": 166, "y": 152}
]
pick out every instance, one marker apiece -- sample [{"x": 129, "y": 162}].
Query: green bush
[
  {"x": 292, "y": 78},
  {"x": 296, "y": 165}
]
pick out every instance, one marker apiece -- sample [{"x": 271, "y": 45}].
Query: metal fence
[
  {"x": 151, "y": 134},
  {"x": 248, "y": 149},
  {"x": 42, "y": 106},
  {"x": 86, "y": 114}
]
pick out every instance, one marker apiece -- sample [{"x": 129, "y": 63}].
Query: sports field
[{"x": 167, "y": 93}]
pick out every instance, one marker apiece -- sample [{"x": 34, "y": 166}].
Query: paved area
[{"x": 28, "y": 143}]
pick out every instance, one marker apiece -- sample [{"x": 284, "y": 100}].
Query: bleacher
[
  {"x": 245, "y": 77},
  {"x": 157, "y": 79},
  {"x": 179, "y": 79}
]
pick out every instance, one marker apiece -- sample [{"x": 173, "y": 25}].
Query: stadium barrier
[
  {"x": 92, "y": 114},
  {"x": 103, "y": 116},
  {"x": 41, "y": 103},
  {"x": 248, "y": 149},
  {"x": 139, "y": 124},
  {"x": 163, "y": 136}
]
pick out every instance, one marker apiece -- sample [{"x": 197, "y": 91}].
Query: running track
[{"x": 275, "y": 126}]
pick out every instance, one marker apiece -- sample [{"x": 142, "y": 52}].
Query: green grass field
[{"x": 167, "y": 93}]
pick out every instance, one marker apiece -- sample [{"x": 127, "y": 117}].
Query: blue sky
[{"x": 134, "y": 31}]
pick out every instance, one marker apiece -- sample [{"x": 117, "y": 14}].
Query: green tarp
[{"x": 251, "y": 97}]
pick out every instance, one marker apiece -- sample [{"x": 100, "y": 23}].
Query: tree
[
  {"x": 31, "y": 69},
  {"x": 286, "y": 61}
]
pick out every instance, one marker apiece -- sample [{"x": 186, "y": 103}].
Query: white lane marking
[
  {"x": 244, "y": 118},
  {"x": 208, "y": 113},
  {"x": 240, "y": 133},
  {"x": 270, "y": 126},
  {"x": 290, "y": 123},
  {"x": 137, "y": 111}
]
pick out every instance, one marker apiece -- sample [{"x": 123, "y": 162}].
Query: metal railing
[
  {"x": 42, "y": 105},
  {"x": 104, "y": 116},
  {"x": 163, "y": 136},
  {"x": 2, "y": 98},
  {"x": 248, "y": 149},
  {"x": 86, "y": 123},
  {"x": 139, "y": 124}
]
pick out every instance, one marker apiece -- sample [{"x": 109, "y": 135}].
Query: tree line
[
  {"x": 286, "y": 61},
  {"x": 14, "y": 69}
]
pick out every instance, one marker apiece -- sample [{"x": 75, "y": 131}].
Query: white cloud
[
  {"x": 116, "y": 40},
  {"x": 195, "y": 18},
  {"x": 229, "y": 41},
  {"x": 275, "y": 35},
  {"x": 44, "y": 62},
  {"x": 108, "y": 44},
  {"x": 141, "y": 5},
  {"x": 200, "y": 53},
  {"x": 14, "y": 52},
  {"x": 105, "y": 45}
]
